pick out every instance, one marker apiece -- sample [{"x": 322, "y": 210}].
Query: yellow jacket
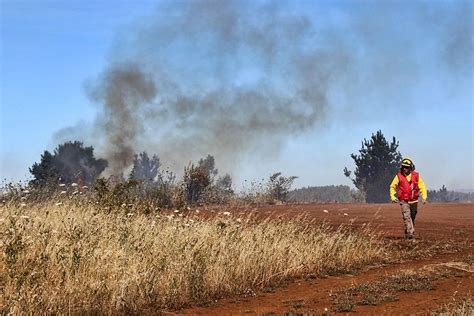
[{"x": 394, "y": 184}]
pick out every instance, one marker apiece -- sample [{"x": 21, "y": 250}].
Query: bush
[
  {"x": 279, "y": 186},
  {"x": 196, "y": 181}
]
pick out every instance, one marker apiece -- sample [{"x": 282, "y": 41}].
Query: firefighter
[{"x": 405, "y": 190}]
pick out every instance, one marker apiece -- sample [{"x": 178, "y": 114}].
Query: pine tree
[
  {"x": 70, "y": 162},
  {"x": 144, "y": 168},
  {"x": 376, "y": 165}
]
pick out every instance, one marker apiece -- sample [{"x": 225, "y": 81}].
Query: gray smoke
[
  {"x": 122, "y": 90},
  {"x": 236, "y": 78}
]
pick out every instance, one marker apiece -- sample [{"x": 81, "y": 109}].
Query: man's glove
[{"x": 395, "y": 200}]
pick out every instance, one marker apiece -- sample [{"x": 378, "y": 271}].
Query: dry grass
[
  {"x": 75, "y": 259},
  {"x": 386, "y": 288},
  {"x": 462, "y": 307}
]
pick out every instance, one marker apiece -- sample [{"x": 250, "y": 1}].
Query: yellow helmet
[{"x": 407, "y": 162}]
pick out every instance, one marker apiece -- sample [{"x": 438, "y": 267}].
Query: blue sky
[
  {"x": 48, "y": 50},
  {"x": 408, "y": 72}
]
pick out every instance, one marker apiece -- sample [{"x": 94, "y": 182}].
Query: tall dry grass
[
  {"x": 76, "y": 259},
  {"x": 461, "y": 307}
]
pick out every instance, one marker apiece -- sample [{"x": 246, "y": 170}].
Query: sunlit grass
[
  {"x": 459, "y": 307},
  {"x": 67, "y": 258}
]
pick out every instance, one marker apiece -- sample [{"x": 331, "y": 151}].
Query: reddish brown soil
[{"x": 451, "y": 226}]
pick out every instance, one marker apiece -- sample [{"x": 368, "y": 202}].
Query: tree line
[
  {"x": 444, "y": 195},
  {"x": 324, "y": 194},
  {"x": 376, "y": 164},
  {"x": 74, "y": 163}
]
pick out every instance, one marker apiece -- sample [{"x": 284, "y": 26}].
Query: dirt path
[
  {"x": 451, "y": 226},
  {"x": 313, "y": 296}
]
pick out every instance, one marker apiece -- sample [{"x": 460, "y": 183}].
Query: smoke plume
[{"x": 122, "y": 90}]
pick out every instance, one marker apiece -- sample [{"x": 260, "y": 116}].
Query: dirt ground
[{"x": 445, "y": 235}]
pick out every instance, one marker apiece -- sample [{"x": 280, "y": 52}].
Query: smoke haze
[{"x": 238, "y": 78}]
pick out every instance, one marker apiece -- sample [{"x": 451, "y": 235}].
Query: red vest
[{"x": 408, "y": 191}]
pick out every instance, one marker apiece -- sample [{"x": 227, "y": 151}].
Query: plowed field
[{"x": 444, "y": 242}]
